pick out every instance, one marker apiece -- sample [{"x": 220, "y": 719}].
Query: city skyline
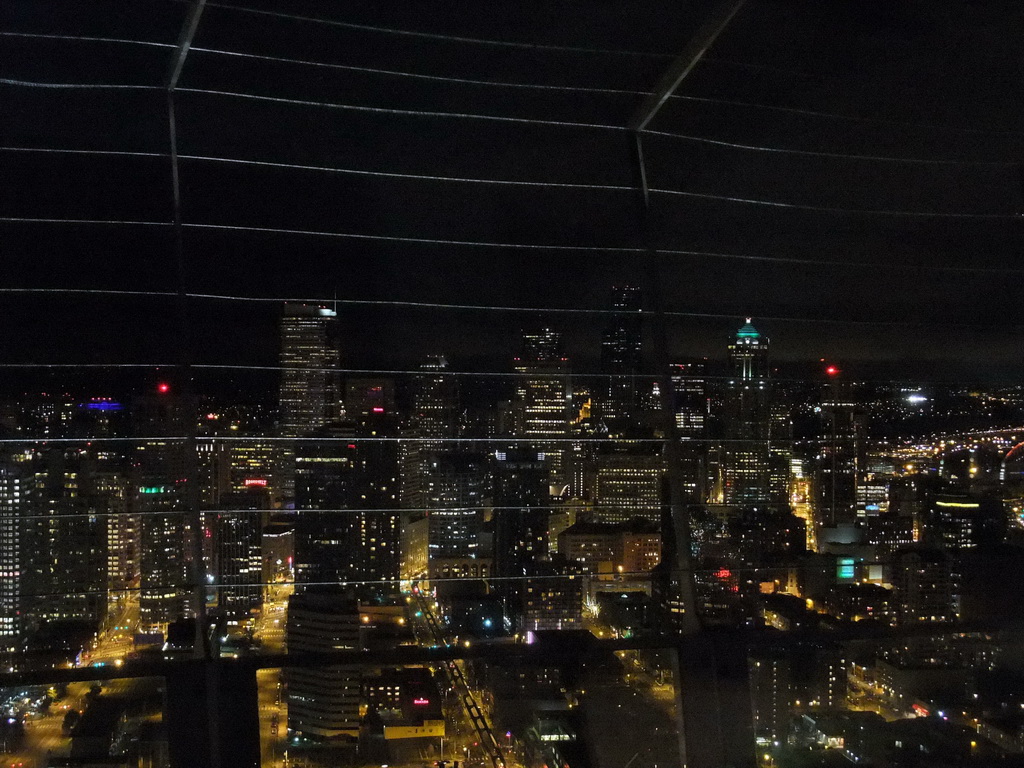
[{"x": 574, "y": 386}]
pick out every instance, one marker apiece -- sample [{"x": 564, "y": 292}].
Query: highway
[
  {"x": 435, "y": 635},
  {"x": 273, "y": 704}
]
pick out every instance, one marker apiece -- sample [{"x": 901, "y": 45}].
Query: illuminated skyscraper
[
  {"x": 237, "y": 552},
  {"x": 454, "y": 490},
  {"x": 692, "y": 414},
  {"x": 12, "y": 501},
  {"x": 323, "y": 702},
  {"x": 691, "y": 398},
  {"x": 64, "y": 541},
  {"x": 158, "y": 497},
  {"x": 310, "y": 392},
  {"x": 622, "y": 359},
  {"x": 629, "y": 485},
  {"x": 346, "y": 490},
  {"x": 840, "y": 458},
  {"x": 746, "y": 479},
  {"x": 543, "y": 405},
  {"x": 521, "y": 518},
  {"x": 434, "y": 420}
]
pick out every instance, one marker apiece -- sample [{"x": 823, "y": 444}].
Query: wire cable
[
  {"x": 84, "y": 38},
  {"x": 439, "y": 36},
  {"x": 540, "y": 184},
  {"x": 843, "y": 211},
  {"x": 81, "y": 86},
  {"x": 488, "y": 244},
  {"x": 642, "y": 377},
  {"x": 556, "y": 185},
  {"x": 536, "y": 121},
  {"x": 536, "y": 86},
  {"x": 462, "y": 307}
]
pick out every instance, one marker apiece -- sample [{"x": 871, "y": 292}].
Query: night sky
[{"x": 935, "y": 295}]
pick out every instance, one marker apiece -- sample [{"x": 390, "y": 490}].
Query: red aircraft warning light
[
  {"x": 163, "y": 387},
  {"x": 832, "y": 370}
]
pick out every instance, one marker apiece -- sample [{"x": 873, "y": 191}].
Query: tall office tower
[
  {"x": 378, "y": 489},
  {"x": 310, "y": 391},
  {"x": 521, "y": 517},
  {"x": 771, "y": 693},
  {"x": 622, "y": 360},
  {"x": 214, "y": 463},
  {"x": 780, "y": 450},
  {"x": 841, "y": 458},
  {"x": 691, "y": 398},
  {"x": 326, "y": 533},
  {"x": 551, "y": 599},
  {"x": 123, "y": 544},
  {"x": 692, "y": 414},
  {"x": 323, "y": 701},
  {"x": 747, "y": 422},
  {"x": 433, "y": 420},
  {"x": 926, "y": 585},
  {"x": 237, "y": 534},
  {"x": 13, "y": 497},
  {"x": 346, "y": 489},
  {"x": 367, "y": 399},
  {"x": 159, "y": 498},
  {"x": 64, "y": 540},
  {"x": 543, "y": 402},
  {"x": 252, "y": 466},
  {"x": 455, "y": 488},
  {"x": 629, "y": 485}
]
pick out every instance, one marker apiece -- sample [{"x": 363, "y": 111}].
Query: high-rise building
[
  {"x": 689, "y": 388},
  {"x": 622, "y": 359},
  {"x": 13, "y": 498},
  {"x": 543, "y": 404},
  {"x": 64, "y": 539},
  {"x": 346, "y": 493},
  {"x": 378, "y": 496},
  {"x": 925, "y": 584},
  {"x": 746, "y": 480},
  {"x": 238, "y": 552},
  {"x": 454, "y": 491},
  {"x": 629, "y": 485},
  {"x": 552, "y": 597},
  {"x": 771, "y": 694},
  {"x": 310, "y": 392},
  {"x": 521, "y": 517},
  {"x": 326, "y": 485},
  {"x": 433, "y": 421},
  {"x": 840, "y": 460},
  {"x": 368, "y": 400},
  {"x": 323, "y": 701},
  {"x": 159, "y": 498},
  {"x": 123, "y": 544}
]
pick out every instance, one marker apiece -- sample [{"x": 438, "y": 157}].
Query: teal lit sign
[
  {"x": 846, "y": 569},
  {"x": 147, "y": 489}
]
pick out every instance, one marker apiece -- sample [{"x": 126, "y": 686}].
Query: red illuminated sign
[
  {"x": 421, "y": 702},
  {"x": 260, "y": 481},
  {"x": 378, "y": 409}
]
